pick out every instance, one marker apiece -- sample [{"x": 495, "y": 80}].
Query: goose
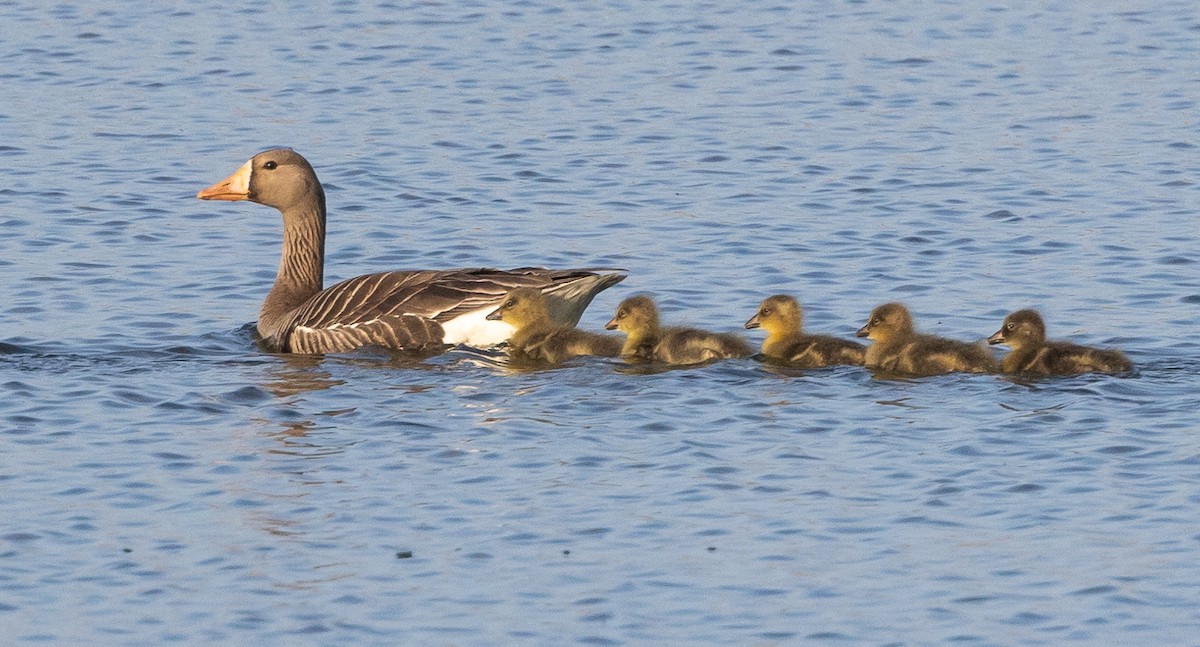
[
  {"x": 412, "y": 310},
  {"x": 783, "y": 319},
  {"x": 1025, "y": 332},
  {"x": 647, "y": 341},
  {"x": 538, "y": 338},
  {"x": 898, "y": 349}
]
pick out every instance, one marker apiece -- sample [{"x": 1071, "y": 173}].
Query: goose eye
[
  {"x": 270, "y": 166},
  {"x": 1010, "y": 327},
  {"x": 764, "y": 312},
  {"x": 510, "y": 303},
  {"x": 875, "y": 321}
]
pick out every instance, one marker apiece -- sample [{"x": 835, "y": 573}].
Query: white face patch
[{"x": 239, "y": 182}]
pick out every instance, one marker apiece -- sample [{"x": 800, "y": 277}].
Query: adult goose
[{"x": 421, "y": 310}]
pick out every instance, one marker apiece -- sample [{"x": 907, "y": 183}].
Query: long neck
[
  {"x": 1019, "y": 357},
  {"x": 301, "y": 266},
  {"x": 640, "y": 341},
  {"x": 883, "y": 346},
  {"x": 531, "y": 322},
  {"x": 778, "y": 341}
]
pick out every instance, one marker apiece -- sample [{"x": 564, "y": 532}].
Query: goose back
[
  {"x": 678, "y": 345},
  {"x": 815, "y": 351},
  {"x": 1064, "y": 358},
  {"x": 555, "y": 344},
  {"x": 921, "y": 355}
]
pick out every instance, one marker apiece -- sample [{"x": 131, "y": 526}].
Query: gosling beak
[
  {"x": 234, "y": 187},
  {"x": 865, "y": 331},
  {"x": 752, "y": 322},
  {"x": 997, "y": 338},
  {"x": 611, "y": 325},
  {"x": 494, "y": 315}
]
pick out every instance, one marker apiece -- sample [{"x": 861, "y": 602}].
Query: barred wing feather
[{"x": 407, "y": 309}]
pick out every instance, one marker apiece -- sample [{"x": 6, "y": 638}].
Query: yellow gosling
[
  {"x": 538, "y": 338},
  {"x": 1025, "y": 332},
  {"x": 783, "y": 320},
  {"x": 647, "y": 341},
  {"x": 897, "y": 348}
]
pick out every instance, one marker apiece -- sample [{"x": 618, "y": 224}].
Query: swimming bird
[
  {"x": 418, "y": 310},
  {"x": 783, "y": 320},
  {"x": 898, "y": 349},
  {"x": 1025, "y": 332},
  {"x": 538, "y": 338},
  {"x": 646, "y": 340}
]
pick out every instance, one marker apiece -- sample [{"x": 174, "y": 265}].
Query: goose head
[
  {"x": 887, "y": 321},
  {"x": 780, "y": 314},
  {"x": 522, "y": 307},
  {"x": 636, "y": 316},
  {"x": 1019, "y": 329},
  {"x": 279, "y": 178}
]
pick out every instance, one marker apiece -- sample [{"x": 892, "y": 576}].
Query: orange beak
[{"x": 234, "y": 187}]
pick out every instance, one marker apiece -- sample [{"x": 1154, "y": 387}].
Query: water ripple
[{"x": 720, "y": 156}]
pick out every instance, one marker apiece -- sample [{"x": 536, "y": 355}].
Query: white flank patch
[{"x": 473, "y": 329}]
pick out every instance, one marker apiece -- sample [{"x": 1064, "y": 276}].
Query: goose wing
[
  {"x": 406, "y": 309},
  {"x": 407, "y": 332}
]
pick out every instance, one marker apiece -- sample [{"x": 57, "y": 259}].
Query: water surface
[{"x": 166, "y": 482}]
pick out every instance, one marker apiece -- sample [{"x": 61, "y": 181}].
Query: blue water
[{"x": 162, "y": 481}]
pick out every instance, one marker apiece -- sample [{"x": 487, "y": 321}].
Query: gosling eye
[
  {"x": 764, "y": 312},
  {"x": 1010, "y": 326},
  {"x": 510, "y": 303},
  {"x": 270, "y": 165},
  {"x": 621, "y": 314},
  {"x": 876, "y": 321}
]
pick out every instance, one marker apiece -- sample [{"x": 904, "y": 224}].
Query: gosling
[
  {"x": 647, "y": 341},
  {"x": 538, "y": 338},
  {"x": 783, "y": 320},
  {"x": 1025, "y": 332},
  {"x": 899, "y": 349}
]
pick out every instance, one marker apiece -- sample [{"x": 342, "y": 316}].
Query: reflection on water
[{"x": 299, "y": 374}]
